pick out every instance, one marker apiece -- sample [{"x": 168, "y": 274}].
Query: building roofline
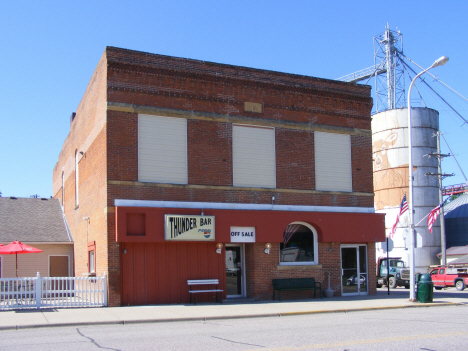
[{"x": 209, "y": 68}]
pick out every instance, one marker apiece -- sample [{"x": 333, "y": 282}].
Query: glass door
[
  {"x": 234, "y": 271},
  {"x": 354, "y": 275}
]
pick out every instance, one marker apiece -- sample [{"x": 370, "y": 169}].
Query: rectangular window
[
  {"x": 333, "y": 161},
  {"x": 92, "y": 269},
  {"x": 92, "y": 257},
  {"x": 254, "y": 158},
  {"x": 162, "y": 149}
]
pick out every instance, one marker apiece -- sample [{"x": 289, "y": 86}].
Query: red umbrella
[{"x": 15, "y": 248}]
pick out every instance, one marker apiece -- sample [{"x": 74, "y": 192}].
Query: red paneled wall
[
  {"x": 270, "y": 225},
  {"x": 157, "y": 273}
]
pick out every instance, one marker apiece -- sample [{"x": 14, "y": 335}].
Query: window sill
[
  {"x": 302, "y": 266},
  {"x": 89, "y": 274}
]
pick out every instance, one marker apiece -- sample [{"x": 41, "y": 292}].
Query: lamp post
[{"x": 439, "y": 62}]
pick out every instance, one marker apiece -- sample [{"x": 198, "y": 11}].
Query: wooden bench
[
  {"x": 214, "y": 282},
  {"x": 296, "y": 284}
]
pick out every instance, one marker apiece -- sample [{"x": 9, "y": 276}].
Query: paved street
[{"x": 442, "y": 328}]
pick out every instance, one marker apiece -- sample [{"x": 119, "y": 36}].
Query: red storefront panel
[
  {"x": 270, "y": 225},
  {"x": 157, "y": 273}
]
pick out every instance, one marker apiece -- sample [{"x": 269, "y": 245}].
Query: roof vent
[
  {"x": 72, "y": 117},
  {"x": 44, "y": 198},
  {"x": 12, "y": 197}
]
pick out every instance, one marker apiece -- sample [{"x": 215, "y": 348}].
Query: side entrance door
[
  {"x": 354, "y": 276},
  {"x": 235, "y": 267}
]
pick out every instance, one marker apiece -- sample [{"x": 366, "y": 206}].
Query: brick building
[{"x": 179, "y": 169}]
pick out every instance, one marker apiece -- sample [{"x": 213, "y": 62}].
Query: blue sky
[{"x": 49, "y": 50}]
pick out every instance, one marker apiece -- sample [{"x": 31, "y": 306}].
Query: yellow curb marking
[{"x": 366, "y": 341}]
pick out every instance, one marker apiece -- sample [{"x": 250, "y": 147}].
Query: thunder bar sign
[{"x": 189, "y": 228}]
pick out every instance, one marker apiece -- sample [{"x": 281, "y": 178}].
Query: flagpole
[
  {"x": 441, "y": 200},
  {"x": 388, "y": 271}
]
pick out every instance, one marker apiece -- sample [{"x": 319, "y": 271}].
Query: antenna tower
[{"x": 389, "y": 87}]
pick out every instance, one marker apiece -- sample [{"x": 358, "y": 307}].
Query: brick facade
[{"x": 212, "y": 97}]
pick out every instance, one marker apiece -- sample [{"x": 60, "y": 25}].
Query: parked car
[{"x": 353, "y": 280}]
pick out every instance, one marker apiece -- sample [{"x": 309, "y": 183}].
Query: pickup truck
[{"x": 449, "y": 277}]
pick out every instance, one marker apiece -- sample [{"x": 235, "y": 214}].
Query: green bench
[{"x": 296, "y": 284}]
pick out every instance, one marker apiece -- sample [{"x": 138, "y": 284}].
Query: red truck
[{"x": 449, "y": 276}]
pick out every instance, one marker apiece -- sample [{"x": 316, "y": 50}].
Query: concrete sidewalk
[{"x": 398, "y": 298}]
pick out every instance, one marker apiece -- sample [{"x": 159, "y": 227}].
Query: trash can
[{"x": 425, "y": 288}]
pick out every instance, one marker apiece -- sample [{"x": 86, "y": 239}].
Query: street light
[{"x": 439, "y": 62}]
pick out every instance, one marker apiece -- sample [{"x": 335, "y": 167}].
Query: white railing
[{"x": 51, "y": 292}]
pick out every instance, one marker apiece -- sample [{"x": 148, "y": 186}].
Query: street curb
[
  {"x": 135, "y": 321},
  {"x": 203, "y": 319},
  {"x": 347, "y": 310}
]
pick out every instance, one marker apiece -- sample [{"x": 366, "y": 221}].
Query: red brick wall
[
  {"x": 295, "y": 167},
  {"x": 262, "y": 268},
  {"x": 208, "y": 92},
  {"x": 209, "y": 153},
  {"x": 210, "y": 163},
  {"x": 114, "y": 263},
  {"x": 267, "y": 268},
  {"x": 87, "y": 134},
  {"x": 156, "y": 80},
  {"x": 122, "y": 146},
  {"x": 92, "y": 194},
  {"x": 361, "y": 163},
  {"x": 256, "y": 196},
  {"x": 371, "y": 259}
]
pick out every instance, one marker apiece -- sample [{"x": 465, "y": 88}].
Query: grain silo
[{"x": 391, "y": 181}]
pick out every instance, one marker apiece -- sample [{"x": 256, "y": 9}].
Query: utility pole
[{"x": 440, "y": 176}]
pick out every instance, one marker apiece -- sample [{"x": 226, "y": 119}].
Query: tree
[{"x": 454, "y": 196}]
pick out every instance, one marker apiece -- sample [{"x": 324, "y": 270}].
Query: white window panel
[
  {"x": 254, "y": 160},
  {"x": 333, "y": 162},
  {"x": 162, "y": 149}
]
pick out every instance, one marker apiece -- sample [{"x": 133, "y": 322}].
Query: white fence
[{"x": 38, "y": 292}]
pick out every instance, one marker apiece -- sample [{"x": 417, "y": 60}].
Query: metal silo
[{"x": 391, "y": 178}]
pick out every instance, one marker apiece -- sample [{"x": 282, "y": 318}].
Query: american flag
[
  {"x": 431, "y": 218},
  {"x": 403, "y": 209}
]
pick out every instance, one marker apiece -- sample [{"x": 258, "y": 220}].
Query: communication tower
[{"x": 388, "y": 71}]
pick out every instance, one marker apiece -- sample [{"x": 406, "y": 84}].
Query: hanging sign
[
  {"x": 242, "y": 234},
  {"x": 189, "y": 228}
]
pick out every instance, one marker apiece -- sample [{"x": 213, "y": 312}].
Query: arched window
[{"x": 299, "y": 246}]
